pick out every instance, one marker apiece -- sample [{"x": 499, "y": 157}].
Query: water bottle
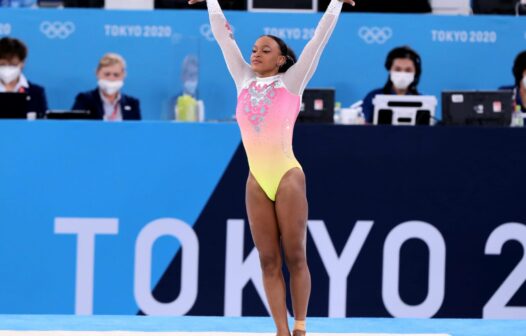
[
  {"x": 337, "y": 113},
  {"x": 516, "y": 117},
  {"x": 186, "y": 108},
  {"x": 200, "y": 111}
]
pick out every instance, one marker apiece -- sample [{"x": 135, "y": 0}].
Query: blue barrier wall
[
  {"x": 458, "y": 52},
  {"x": 134, "y": 172},
  {"x": 406, "y": 222}
]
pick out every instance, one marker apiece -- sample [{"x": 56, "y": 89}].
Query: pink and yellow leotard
[{"x": 267, "y": 107}]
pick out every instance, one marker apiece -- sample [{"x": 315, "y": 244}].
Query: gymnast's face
[{"x": 266, "y": 57}]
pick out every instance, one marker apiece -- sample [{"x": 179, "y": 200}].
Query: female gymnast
[{"x": 269, "y": 98}]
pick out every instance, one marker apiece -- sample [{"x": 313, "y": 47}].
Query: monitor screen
[
  {"x": 317, "y": 106},
  {"x": 84, "y": 3},
  {"x": 483, "y": 108},
  {"x": 493, "y": 6},
  {"x": 404, "y": 110},
  {"x": 13, "y": 105}
]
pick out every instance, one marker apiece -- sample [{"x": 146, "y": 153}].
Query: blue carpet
[{"x": 454, "y": 327}]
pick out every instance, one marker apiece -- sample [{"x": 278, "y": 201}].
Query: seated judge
[
  {"x": 519, "y": 75},
  {"x": 13, "y": 55},
  {"x": 107, "y": 102},
  {"x": 404, "y": 68}
]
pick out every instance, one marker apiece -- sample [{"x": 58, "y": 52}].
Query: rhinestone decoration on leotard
[{"x": 256, "y": 102}]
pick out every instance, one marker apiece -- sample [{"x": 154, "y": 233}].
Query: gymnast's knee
[
  {"x": 296, "y": 260},
  {"x": 270, "y": 263}
]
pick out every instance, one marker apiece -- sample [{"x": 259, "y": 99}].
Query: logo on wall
[
  {"x": 57, "y": 29},
  {"x": 206, "y": 31},
  {"x": 5, "y": 28},
  {"x": 372, "y": 35}
]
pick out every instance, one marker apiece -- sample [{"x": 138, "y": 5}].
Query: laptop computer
[
  {"x": 404, "y": 110},
  {"x": 482, "y": 108},
  {"x": 13, "y": 105},
  {"x": 317, "y": 106},
  {"x": 69, "y": 115}
]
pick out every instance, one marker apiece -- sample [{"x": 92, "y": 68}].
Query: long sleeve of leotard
[
  {"x": 239, "y": 69},
  {"x": 297, "y": 77}
]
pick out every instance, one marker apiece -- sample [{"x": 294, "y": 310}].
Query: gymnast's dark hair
[
  {"x": 518, "y": 67},
  {"x": 290, "y": 56},
  {"x": 407, "y": 53}
]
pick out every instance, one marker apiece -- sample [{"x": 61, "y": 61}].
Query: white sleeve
[
  {"x": 239, "y": 69},
  {"x": 297, "y": 77}
]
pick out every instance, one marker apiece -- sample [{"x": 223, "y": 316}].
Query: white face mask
[
  {"x": 190, "y": 87},
  {"x": 401, "y": 80},
  {"x": 524, "y": 81},
  {"x": 9, "y": 73},
  {"x": 110, "y": 87}
]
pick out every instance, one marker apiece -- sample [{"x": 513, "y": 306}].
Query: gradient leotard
[{"x": 267, "y": 107}]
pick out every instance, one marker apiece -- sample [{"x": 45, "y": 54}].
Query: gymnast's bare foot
[{"x": 283, "y": 334}]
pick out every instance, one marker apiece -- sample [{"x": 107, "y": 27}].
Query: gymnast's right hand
[{"x": 193, "y": 2}]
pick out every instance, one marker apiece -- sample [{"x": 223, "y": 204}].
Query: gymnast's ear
[{"x": 281, "y": 60}]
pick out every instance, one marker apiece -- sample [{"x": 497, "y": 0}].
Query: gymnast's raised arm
[
  {"x": 297, "y": 77},
  {"x": 239, "y": 69}
]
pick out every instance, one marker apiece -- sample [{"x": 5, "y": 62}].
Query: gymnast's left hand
[{"x": 192, "y": 2}]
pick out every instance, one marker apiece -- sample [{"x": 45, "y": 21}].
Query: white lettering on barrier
[
  {"x": 86, "y": 229},
  {"x": 338, "y": 268},
  {"x": 238, "y": 272},
  {"x": 137, "y": 31},
  {"x": 5, "y": 28},
  {"x": 391, "y": 269},
  {"x": 189, "y": 267},
  {"x": 496, "y": 307},
  {"x": 463, "y": 36}
]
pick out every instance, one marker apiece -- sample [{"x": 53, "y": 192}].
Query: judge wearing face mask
[
  {"x": 13, "y": 54},
  {"x": 107, "y": 102},
  {"x": 404, "y": 67},
  {"x": 519, "y": 75}
]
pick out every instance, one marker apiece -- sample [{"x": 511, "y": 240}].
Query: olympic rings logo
[
  {"x": 5, "y": 28},
  {"x": 57, "y": 29},
  {"x": 206, "y": 31},
  {"x": 372, "y": 35}
]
